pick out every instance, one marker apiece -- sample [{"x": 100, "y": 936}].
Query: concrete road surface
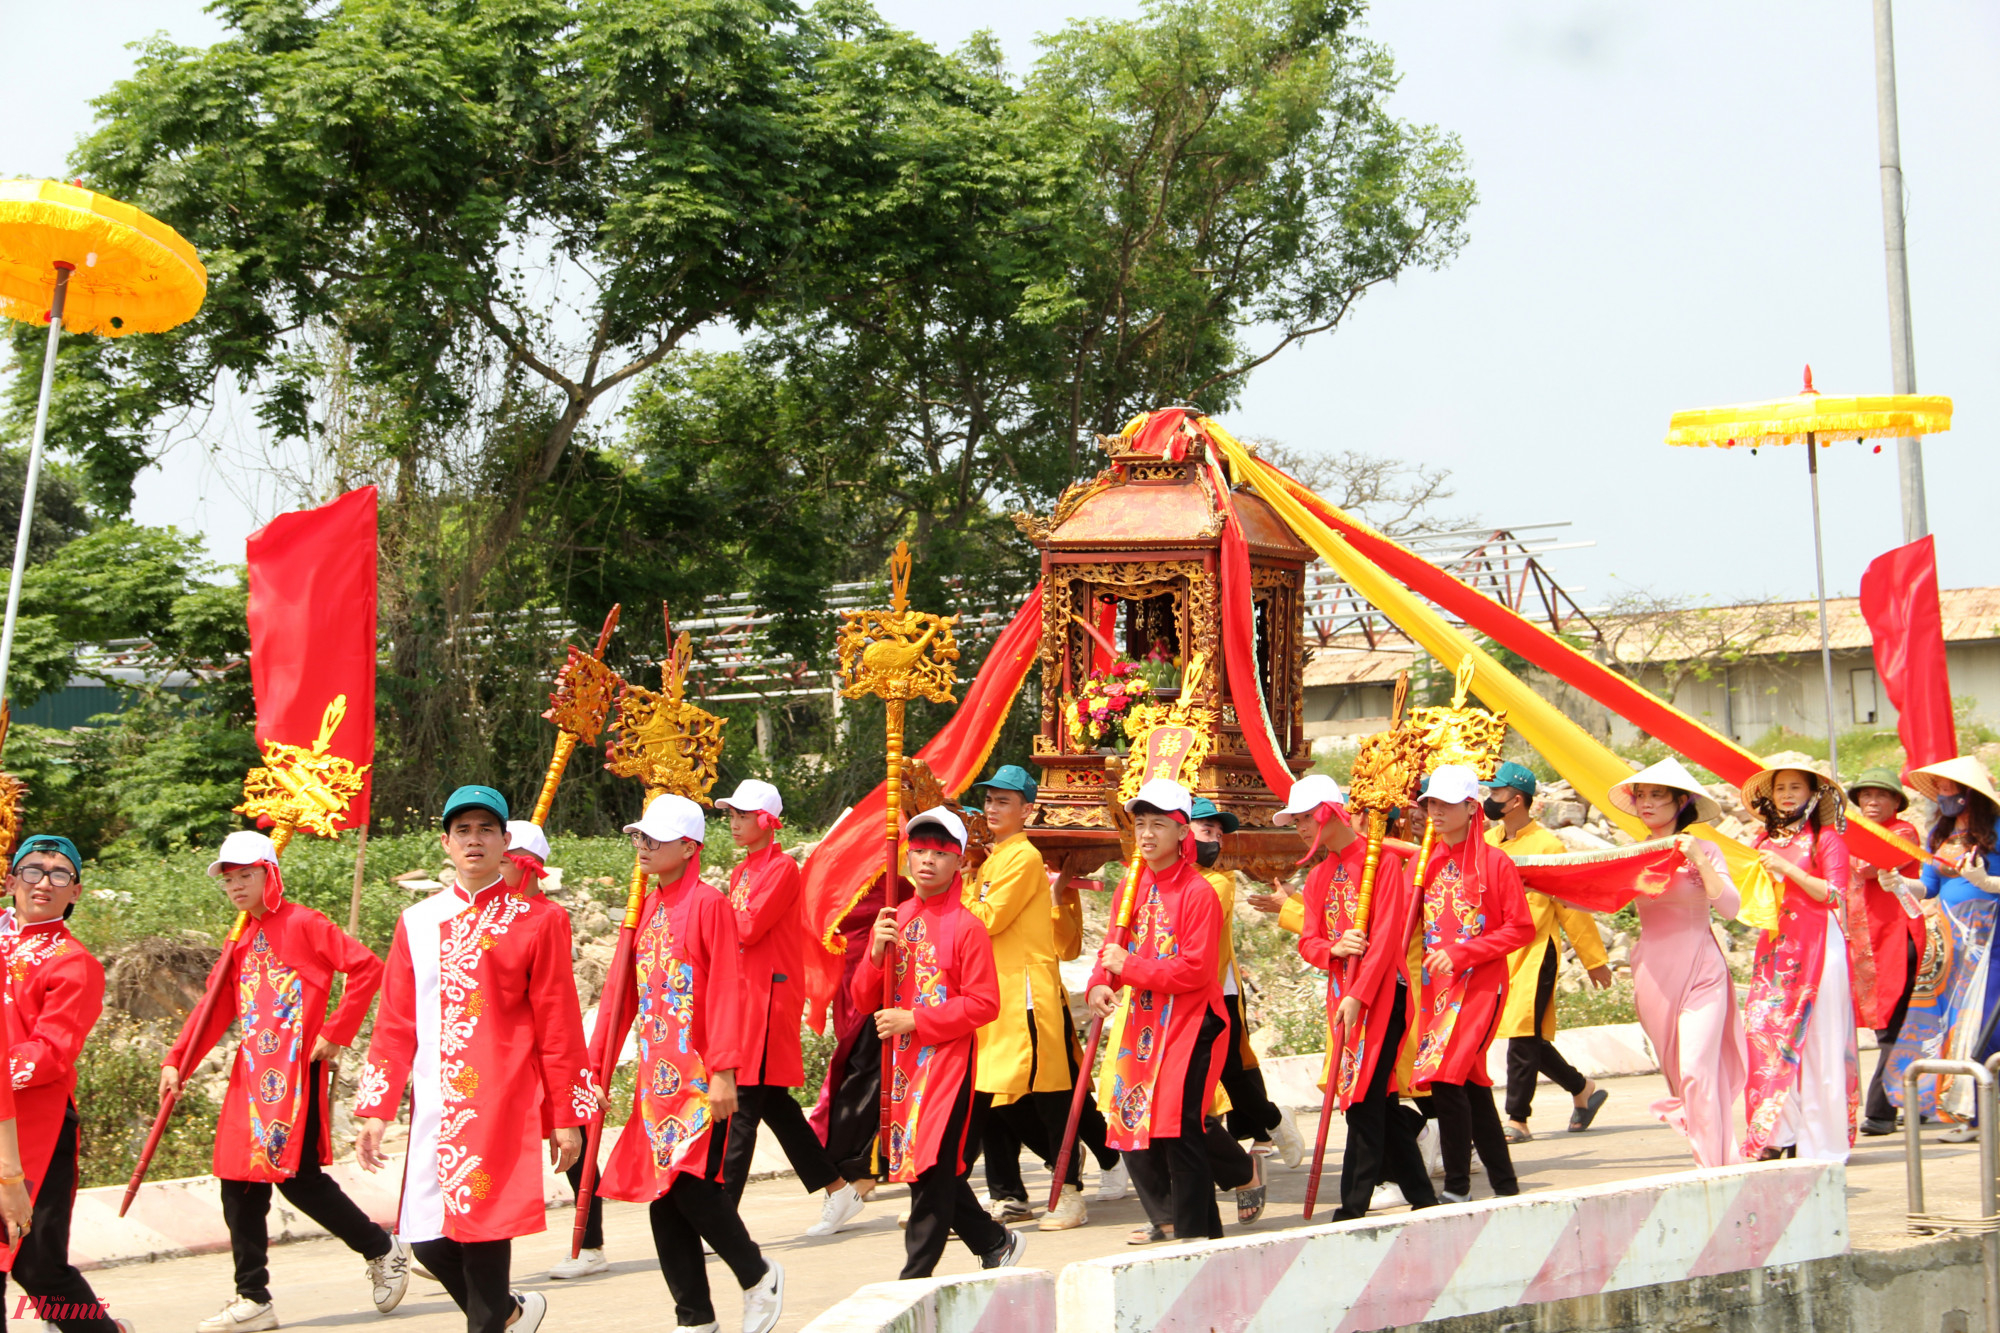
[{"x": 319, "y": 1284}]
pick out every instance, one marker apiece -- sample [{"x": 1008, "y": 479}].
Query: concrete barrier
[
  {"x": 1464, "y": 1259},
  {"x": 1003, "y": 1300}
]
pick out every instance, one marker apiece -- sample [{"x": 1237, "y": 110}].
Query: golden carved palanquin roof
[{"x": 1143, "y": 502}]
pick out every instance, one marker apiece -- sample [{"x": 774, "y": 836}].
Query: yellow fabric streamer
[{"x": 1587, "y": 765}]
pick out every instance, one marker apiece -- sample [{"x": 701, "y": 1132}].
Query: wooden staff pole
[
  {"x": 892, "y": 846},
  {"x": 1378, "y": 824},
  {"x": 1119, "y": 932}
]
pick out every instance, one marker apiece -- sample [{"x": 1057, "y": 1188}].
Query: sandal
[
  {"x": 1520, "y": 1134},
  {"x": 1150, "y": 1234},
  {"x": 1250, "y": 1199},
  {"x": 1581, "y": 1116}
]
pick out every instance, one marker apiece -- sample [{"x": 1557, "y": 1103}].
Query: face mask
[
  {"x": 1953, "y": 805},
  {"x": 1493, "y": 808},
  {"x": 1207, "y": 853}
]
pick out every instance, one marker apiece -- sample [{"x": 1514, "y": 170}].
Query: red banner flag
[
  {"x": 1899, "y": 598},
  {"x": 312, "y": 628}
]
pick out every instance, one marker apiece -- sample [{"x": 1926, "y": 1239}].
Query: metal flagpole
[
  {"x": 1825, "y": 644},
  {"x": 1902, "y": 344},
  {"x": 34, "y": 470}
]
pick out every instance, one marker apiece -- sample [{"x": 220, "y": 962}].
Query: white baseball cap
[
  {"x": 1164, "y": 794},
  {"x": 1452, "y": 783},
  {"x": 1309, "y": 793},
  {"x": 523, "y": 836},
  {"x": 753, "y": 794},
  {"x": 944, "y": 819},
  {"x": 671, "y": 818},
  {"x": 245, "y": 847}
]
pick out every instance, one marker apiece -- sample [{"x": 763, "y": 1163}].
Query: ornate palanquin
[{"x": 1137, "y": 550}]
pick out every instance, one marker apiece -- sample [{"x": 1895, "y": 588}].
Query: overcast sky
[{"x": 1679, "y": 207}]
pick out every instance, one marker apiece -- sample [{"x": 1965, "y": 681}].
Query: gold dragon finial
[
  {"x": 670, "y": 745},
  {"x": 302, "y": 787}
]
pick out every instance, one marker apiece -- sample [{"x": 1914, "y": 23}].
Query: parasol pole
[
  {"x": 1825, "y": 643},
  {"x": 63, "y": 270}
]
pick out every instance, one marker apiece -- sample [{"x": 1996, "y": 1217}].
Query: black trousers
[
  {"x": 1037, "y": 1122},
  {"x": 1178, "y": 1167},
  {"x": 693, "y": 1211},
  {"x": 1466, "y": 1118},
  {"x": 1528, "y": 1058},
  {"x": 1879, "y": 1107},
  {"x": 1252, "y": 1115},
  {"x": 1382, "y": 1135},
  {"x": 475, "y": 1273},
  {"x": 942, "y": 1201},
  {"x": 42, "y": 1265},
  {"x": 855, "y": 1114},
  {"x": 246, "y": 1208},
  {"x": 774, "y": 1106},
  {"x": 593, "y": 1226}
]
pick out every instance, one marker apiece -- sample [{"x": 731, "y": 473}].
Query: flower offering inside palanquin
[{"x": 1132, "y": 578}]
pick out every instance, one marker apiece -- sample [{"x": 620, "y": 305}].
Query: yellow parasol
[
  {"x": 68, "y": 255},
  {"x": 1813, "y": 419}
]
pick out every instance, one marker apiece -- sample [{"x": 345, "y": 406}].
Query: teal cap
[
  {"x": 1206, "y": 809},
  {"x": 1012, "y": 777},
  {"x": 1517, "y": 776},
  {"x": 481, "y": 798},
  {"x": 48, "y": 842}
]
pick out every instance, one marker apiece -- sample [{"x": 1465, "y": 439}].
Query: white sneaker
[
  {"x": 534, "y": 1309},
  {"x": 241, "y": 1315},
  {"x": 1115, "y": 1183},
  {"x": 390, "y": 1275},
  {"x": 1388, "y": 1194},
  {"x": 1433, "y": 1149},
  {"x": 584, "y": 1264},
  {"x": 839, "y": 1208},
  {"x": 1068, "y": 1212},
  {"x": 1291, "y": 1144},
  {"x": 765, "y": 1302},
  {"x": 1005, "y": 1211},
  {"x": 1009, "y": 1256}
]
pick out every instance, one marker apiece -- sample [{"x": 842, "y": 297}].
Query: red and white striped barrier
[
  {"x": 1002, "y": 1300},
  {"x": 1467, "y": 1258}
]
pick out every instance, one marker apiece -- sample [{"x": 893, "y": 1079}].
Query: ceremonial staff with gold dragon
[
  {"x": 672, "y": 747},
  {"x": 297, "y": 788},
  {"x": 896, "y": 655}
]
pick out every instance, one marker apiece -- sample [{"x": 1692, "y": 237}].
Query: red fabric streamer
[
  {"x": 1649, "y": 714},
  {"x": 1899, "y": 598},
  {"x": 1603, "y": 881},
  {"x": 844, "y": 866},
  {"x": 1239, "y": 646},
  {"x": 312, "y": 628}
]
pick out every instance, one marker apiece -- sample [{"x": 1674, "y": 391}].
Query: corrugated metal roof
[{"x": 1782, "y": 628}]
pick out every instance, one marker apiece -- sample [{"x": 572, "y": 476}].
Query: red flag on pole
[
  {"x": 312, "y": 627},
  {"x": 1899, "y": 598}
]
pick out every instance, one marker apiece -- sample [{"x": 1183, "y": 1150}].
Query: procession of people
[{"x": 480, "y": 1023}]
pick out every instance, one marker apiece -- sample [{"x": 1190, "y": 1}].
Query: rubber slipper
[
  {"x": 1249, "y": 1204},
  {"x": 1150, "y": 1234},
  {"x": 1516, "y": 1134},
  {"x": 1580, "y": 1117}
]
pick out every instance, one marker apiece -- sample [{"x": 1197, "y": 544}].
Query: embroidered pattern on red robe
[
  {"x": 54, "y": 995},
  {"x": 271, "y": 999},
  {"x": 1142, "y": 1044},
  {"x": 1452, "y": 915},
  {"x": 920, "y": 984},
  {"x": 673, "y": 1086},
  {"x": 467, "y": 937}
]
